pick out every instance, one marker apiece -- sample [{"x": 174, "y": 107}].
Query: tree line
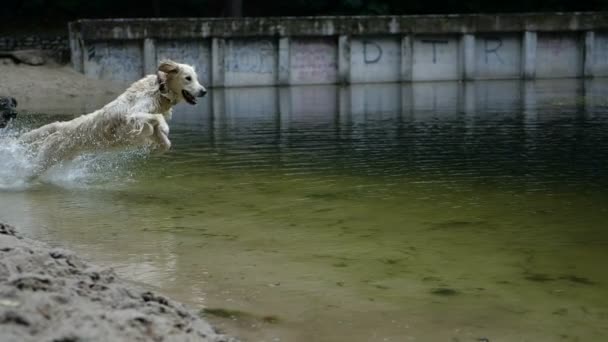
[{"x": 57, "y": 12}]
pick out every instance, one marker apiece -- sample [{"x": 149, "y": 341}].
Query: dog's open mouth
[{"x": 188, "y": 97}]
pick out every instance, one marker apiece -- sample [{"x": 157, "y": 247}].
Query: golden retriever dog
[{"x": 138, "y": 117}]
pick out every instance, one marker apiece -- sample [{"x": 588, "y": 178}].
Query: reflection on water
[{"x": 427, "y": 212}]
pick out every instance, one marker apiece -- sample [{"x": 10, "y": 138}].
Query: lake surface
[{"x": 385, "y": 212}]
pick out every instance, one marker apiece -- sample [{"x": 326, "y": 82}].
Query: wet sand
[{"x": 50, "y": 294}]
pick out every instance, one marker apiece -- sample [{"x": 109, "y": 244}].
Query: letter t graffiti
[{"x": 434, "y": 42}]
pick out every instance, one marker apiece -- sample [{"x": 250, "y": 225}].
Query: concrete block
[
  {"x": 559, "y": 55},
  {"x": 149, "y": 53},
  {"x": 77, "y": 53},
  {"x": 528, "y": 55},
  {"x": 436, "y": 58},
  {"x": 498, "y": 56},
  {"x": 600, "y": 54},
  {"x": 218, "y": 72},
  {"x": 589, "y": 53},
  {"x": 250, "y": 62},
  {"x": 407, "y": 58},
  {"x": 284, "y": 70},
  {"x": 344, "y": 59},
  {"x": 467, "y": 56},
  {"x": 375, "y": 59},
  {"x": 313, "y": 61},
  {"x": 117, "y": 61}
]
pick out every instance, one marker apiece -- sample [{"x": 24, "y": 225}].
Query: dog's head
[
  {"x": 7, "y": 110},
  {"x": 182, "y": 80}
]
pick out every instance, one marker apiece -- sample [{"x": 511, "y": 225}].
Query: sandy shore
[
  {"x": 53, "y": 86},
  {"x": 50, "y": 294}
]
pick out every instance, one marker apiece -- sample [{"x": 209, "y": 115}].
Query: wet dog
[
  {"x": 8, "y": 106},
  {"x": 136, "y": 118}
]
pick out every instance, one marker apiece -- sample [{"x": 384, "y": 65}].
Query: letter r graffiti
[{"x": 493, "y": 50}]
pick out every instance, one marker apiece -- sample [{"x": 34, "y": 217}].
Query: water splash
[
  {"x": 15, "y": 162},
  {"x": 100, "y": 169}
]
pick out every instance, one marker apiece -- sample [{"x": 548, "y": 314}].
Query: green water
[{"x": 432, "y": 212}]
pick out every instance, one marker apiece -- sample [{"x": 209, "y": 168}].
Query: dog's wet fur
[{"x": 8, "y": 110}]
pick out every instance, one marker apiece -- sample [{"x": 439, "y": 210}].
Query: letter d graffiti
[{"x": 372, "y": 52}]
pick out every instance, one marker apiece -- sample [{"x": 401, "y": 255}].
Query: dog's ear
[
  {"x": 168, "y": 66},
  {"x": 161, "y": 78},
  {"x": 14, "y": 102}
]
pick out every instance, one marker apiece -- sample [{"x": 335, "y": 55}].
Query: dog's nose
[{"x": 202, "y": 92}]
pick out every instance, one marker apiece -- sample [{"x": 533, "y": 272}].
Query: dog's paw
[{"x": 164, "y": 144}]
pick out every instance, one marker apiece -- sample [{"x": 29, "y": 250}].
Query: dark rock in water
[
  {"x": 444, "y": 291},
  {"x": 50, "y": 294},
  {"x": 8, "y": 112},
  {"x": 458, "y": 225},
  {"x": 5, "y": 229},
  {"x": 538, "y": 277},
  {"x": 238, "y": 315},
  {"x": 561, "y": 312},
  {"x": 223, "y": 313},
  {"x": 577, "y": 279}
]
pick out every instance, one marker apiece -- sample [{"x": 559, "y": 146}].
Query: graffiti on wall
[
  {"x": 434, "y": 43},
  {"x": 117, "y": 61},
  {"x": 314, "y": 60},
  {"x": 372, "y": 52},
  {"x": 498, "y": 56},
  {"x": 257, "y": 57},
  {"x": 436, "y": 58},
  {"x": 491, "y": 49},
  {"x": 375, "y": 59}
]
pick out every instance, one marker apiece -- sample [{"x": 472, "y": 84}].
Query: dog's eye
[{"x": 188, "y": 78}]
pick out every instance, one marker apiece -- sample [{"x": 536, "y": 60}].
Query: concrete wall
[{"x": 328, "y": 50}]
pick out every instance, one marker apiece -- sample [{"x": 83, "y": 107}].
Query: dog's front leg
[
  {"x": 161, "y": 132},
  {"x": 152, "y": 127}
]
